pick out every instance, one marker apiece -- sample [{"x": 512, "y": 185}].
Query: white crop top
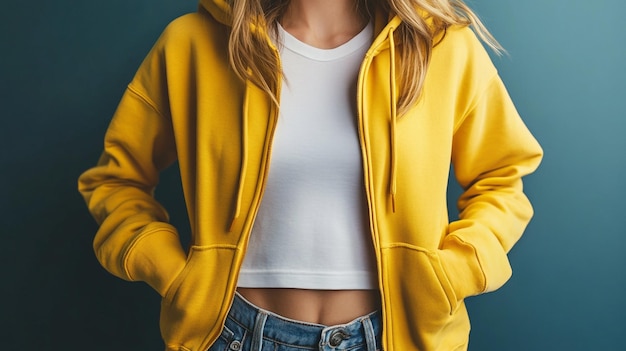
[{"x": 312, "y": 229}]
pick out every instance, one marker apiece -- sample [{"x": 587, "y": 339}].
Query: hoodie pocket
[
  {"x": 155, "y": 257},
  {"x": 419, "y": 292},
  {"x": 196, "y": 303}
]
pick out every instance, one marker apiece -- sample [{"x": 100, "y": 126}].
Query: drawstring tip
[
  {"x": 232, "y": 225},
  {"x": 393, "y": 203}
]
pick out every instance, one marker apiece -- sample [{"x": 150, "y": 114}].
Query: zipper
[
  {"x": 266, "y": 164},
  {"x": 367, "y": 179},
  {"x": 256, "y": 202},
  {"x": 269, "y": 138}
]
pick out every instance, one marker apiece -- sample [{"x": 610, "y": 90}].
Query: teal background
[{"x": 65, "y": 64}]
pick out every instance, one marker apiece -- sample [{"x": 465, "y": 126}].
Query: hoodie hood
[{"x": 221, "y": 10}]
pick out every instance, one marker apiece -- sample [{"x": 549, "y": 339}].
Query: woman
[{"x": 314, "y": 140}]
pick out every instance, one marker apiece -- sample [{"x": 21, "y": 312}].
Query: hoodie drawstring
[
  {"x": 393, "y": 182},
  {"x": 244, "y": 158}
]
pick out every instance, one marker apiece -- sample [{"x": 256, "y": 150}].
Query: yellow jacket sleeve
[
  {"x": 135, "y": 241},
  {"x": 492, "y": 151}
]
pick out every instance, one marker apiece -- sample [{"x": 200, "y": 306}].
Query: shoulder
[
  {"x": 193, "y": 29},
  {"x": 188, "y": 24},
  {"x": 460, "y": 63},
  {"x": 460, "y": 49},
  {"x": 191, "y": 45},
  {"x": 459, "y": 72}
]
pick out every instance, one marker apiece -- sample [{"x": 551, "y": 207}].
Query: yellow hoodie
[{"x": 186, "y": 104}]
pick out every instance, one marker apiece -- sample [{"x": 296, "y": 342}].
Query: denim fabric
[{"x": 250, "y": 328}]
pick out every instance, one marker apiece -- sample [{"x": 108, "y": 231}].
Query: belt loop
[
  {"x": 257, "y": 335},
  {"x": 370, "y": 335}
]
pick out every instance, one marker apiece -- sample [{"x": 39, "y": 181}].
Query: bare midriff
[{"x": 326, "y": 307}]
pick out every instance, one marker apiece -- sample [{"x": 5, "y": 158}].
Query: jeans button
[
  {"x": 337, "y": 337},
  {"x": 235, "y": 345}
]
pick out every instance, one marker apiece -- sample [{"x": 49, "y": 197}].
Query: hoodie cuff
[
  {"x": 156, "y": 257},
  {"x": 474, "y": 267}
]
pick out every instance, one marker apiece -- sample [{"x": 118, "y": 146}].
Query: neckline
[{"x": 293, "y": 44}]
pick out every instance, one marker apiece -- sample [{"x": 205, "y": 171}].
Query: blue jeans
[{"x": 250, "y": 328}]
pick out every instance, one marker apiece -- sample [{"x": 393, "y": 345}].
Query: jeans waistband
[{"x": 262, "y": 324}]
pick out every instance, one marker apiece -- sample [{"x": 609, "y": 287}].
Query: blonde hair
[{"x": 252, "y": 57}]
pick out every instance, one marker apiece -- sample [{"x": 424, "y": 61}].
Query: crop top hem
[{"x": 308, "y": 280}]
